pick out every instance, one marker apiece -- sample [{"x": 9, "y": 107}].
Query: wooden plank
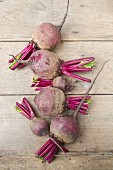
[
  {"x": 95, "y": 135},
  {"x": 87, "y": 20},
  {"x": 18, "y": 82},
  {"x": 80, "y": 163}
]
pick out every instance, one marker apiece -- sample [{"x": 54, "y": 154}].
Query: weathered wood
[
  {"x": 16, "y": 137},
  {"x": 72, "y": 163},
  {"x": 18, "y": 82},
  {"x": 87, "y": 20}
]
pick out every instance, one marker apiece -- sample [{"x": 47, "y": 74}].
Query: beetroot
[
  {"x": 39, "y": 126},
  {"x": 66, "y": 129},
  {"x": 47, "y": 36},
  {"x": 50, "y": 102},
  {"x": 60, "y": 83},
  {"x": 45, "y": 64}
]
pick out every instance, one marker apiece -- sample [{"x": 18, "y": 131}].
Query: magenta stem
[
  {"x": 47, "y": 149},
  {"x": 38, "y": 152},
  {"x": 76, "y": 61},
  {"x": 53, "y": 155},
  {"x": 23, "y": 57},
  {"x": 51, "y": 151},
  {"x": 29, "y": 107},
  {"x": 77, "y": 98},
  {"x": 24, "y": 110},
  {"x": 76, "y": 76},
  {"x": 72, "y": 69}
]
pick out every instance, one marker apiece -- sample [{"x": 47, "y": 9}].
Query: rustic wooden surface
[{"x": 88, "y": 31}]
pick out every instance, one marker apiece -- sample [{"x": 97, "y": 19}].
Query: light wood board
[{"x": 87, "y": 19}]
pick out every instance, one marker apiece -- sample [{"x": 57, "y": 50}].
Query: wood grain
[
  {"x": 19, "y": 81},
  {"x": 72, "y": 163},
  {"x": 87, "y": 20}
]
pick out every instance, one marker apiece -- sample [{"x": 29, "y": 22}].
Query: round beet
[
  {"x": 60, "y": 83},
  {"x": 39, "y": 126},
  {"x": 65, "y": 129},
  {"x": 45, "y": 64},
  {"x": 47, "y": 36},
  {"x": 50, "y": 102}
]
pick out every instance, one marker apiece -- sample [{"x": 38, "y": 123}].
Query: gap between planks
[
  {"x": 8, "y": 95},
  {"x": 7, "y": 41}
]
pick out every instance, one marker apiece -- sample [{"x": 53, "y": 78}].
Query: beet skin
[
  {"x": 45, "y": 64},
  {"x": 50, "y": 102},
  {"x": 60, "y": 83},
  {"x": 39, "y": 126},
  {"x": 65, "y": 129},
  {"x": 47, "y": 36}
]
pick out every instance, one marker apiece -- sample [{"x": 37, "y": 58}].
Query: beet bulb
[
  {"x": 39, "y": 126},
  {"x": 60, "y": 83},
  {"x": 48, "y": 36},
  {"x": 66, "y": 129},
  {"x": 51, "y": 101}
]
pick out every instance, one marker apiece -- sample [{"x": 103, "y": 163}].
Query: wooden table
[{"x": 88, "y": 31}]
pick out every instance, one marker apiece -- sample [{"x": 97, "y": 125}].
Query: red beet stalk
[
  {"x": 25, "y": 109},
  {"x": 78, "y": 65},
  {"x": 73, "y": 102},
  {"x": 41, "y": 83},
  {"x": 23, "y": 55},
  {"x": 48, "y": 151}
]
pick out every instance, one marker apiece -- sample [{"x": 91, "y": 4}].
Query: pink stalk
[
  {"x": 41, "y": 83},
  {"x": 24, "y": 56},
  {"x": 77, "y": 98},
  {"x": 75, "y": 76},
  {"x": 76, "y": 61},
  {"x": 26, "y": 53},
  {"x": 29, "y": 107},
  {"x": 38, "y": 152},
  {"x": 51, "y": 151},
  {"x": 24, "y": 110},
  {"x": 21, "y": 52},
  {"x": 21, "y": 66},
  {"x": 52, "y": 156},
  {"x": 74, "y": 108},
  {"x": 47, "y": 150},
  {"x": 75, "y": 69}
]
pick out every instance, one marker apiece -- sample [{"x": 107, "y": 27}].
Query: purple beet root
[
  {"x": 39, "y": 126},
  {"x": 60, "y": 83},
  {"x": 65, "y": 129},
  {"x": 50, "y": 102},
  {"x": 44, "y": 64},
  {"x": 47, "y": 36}
]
